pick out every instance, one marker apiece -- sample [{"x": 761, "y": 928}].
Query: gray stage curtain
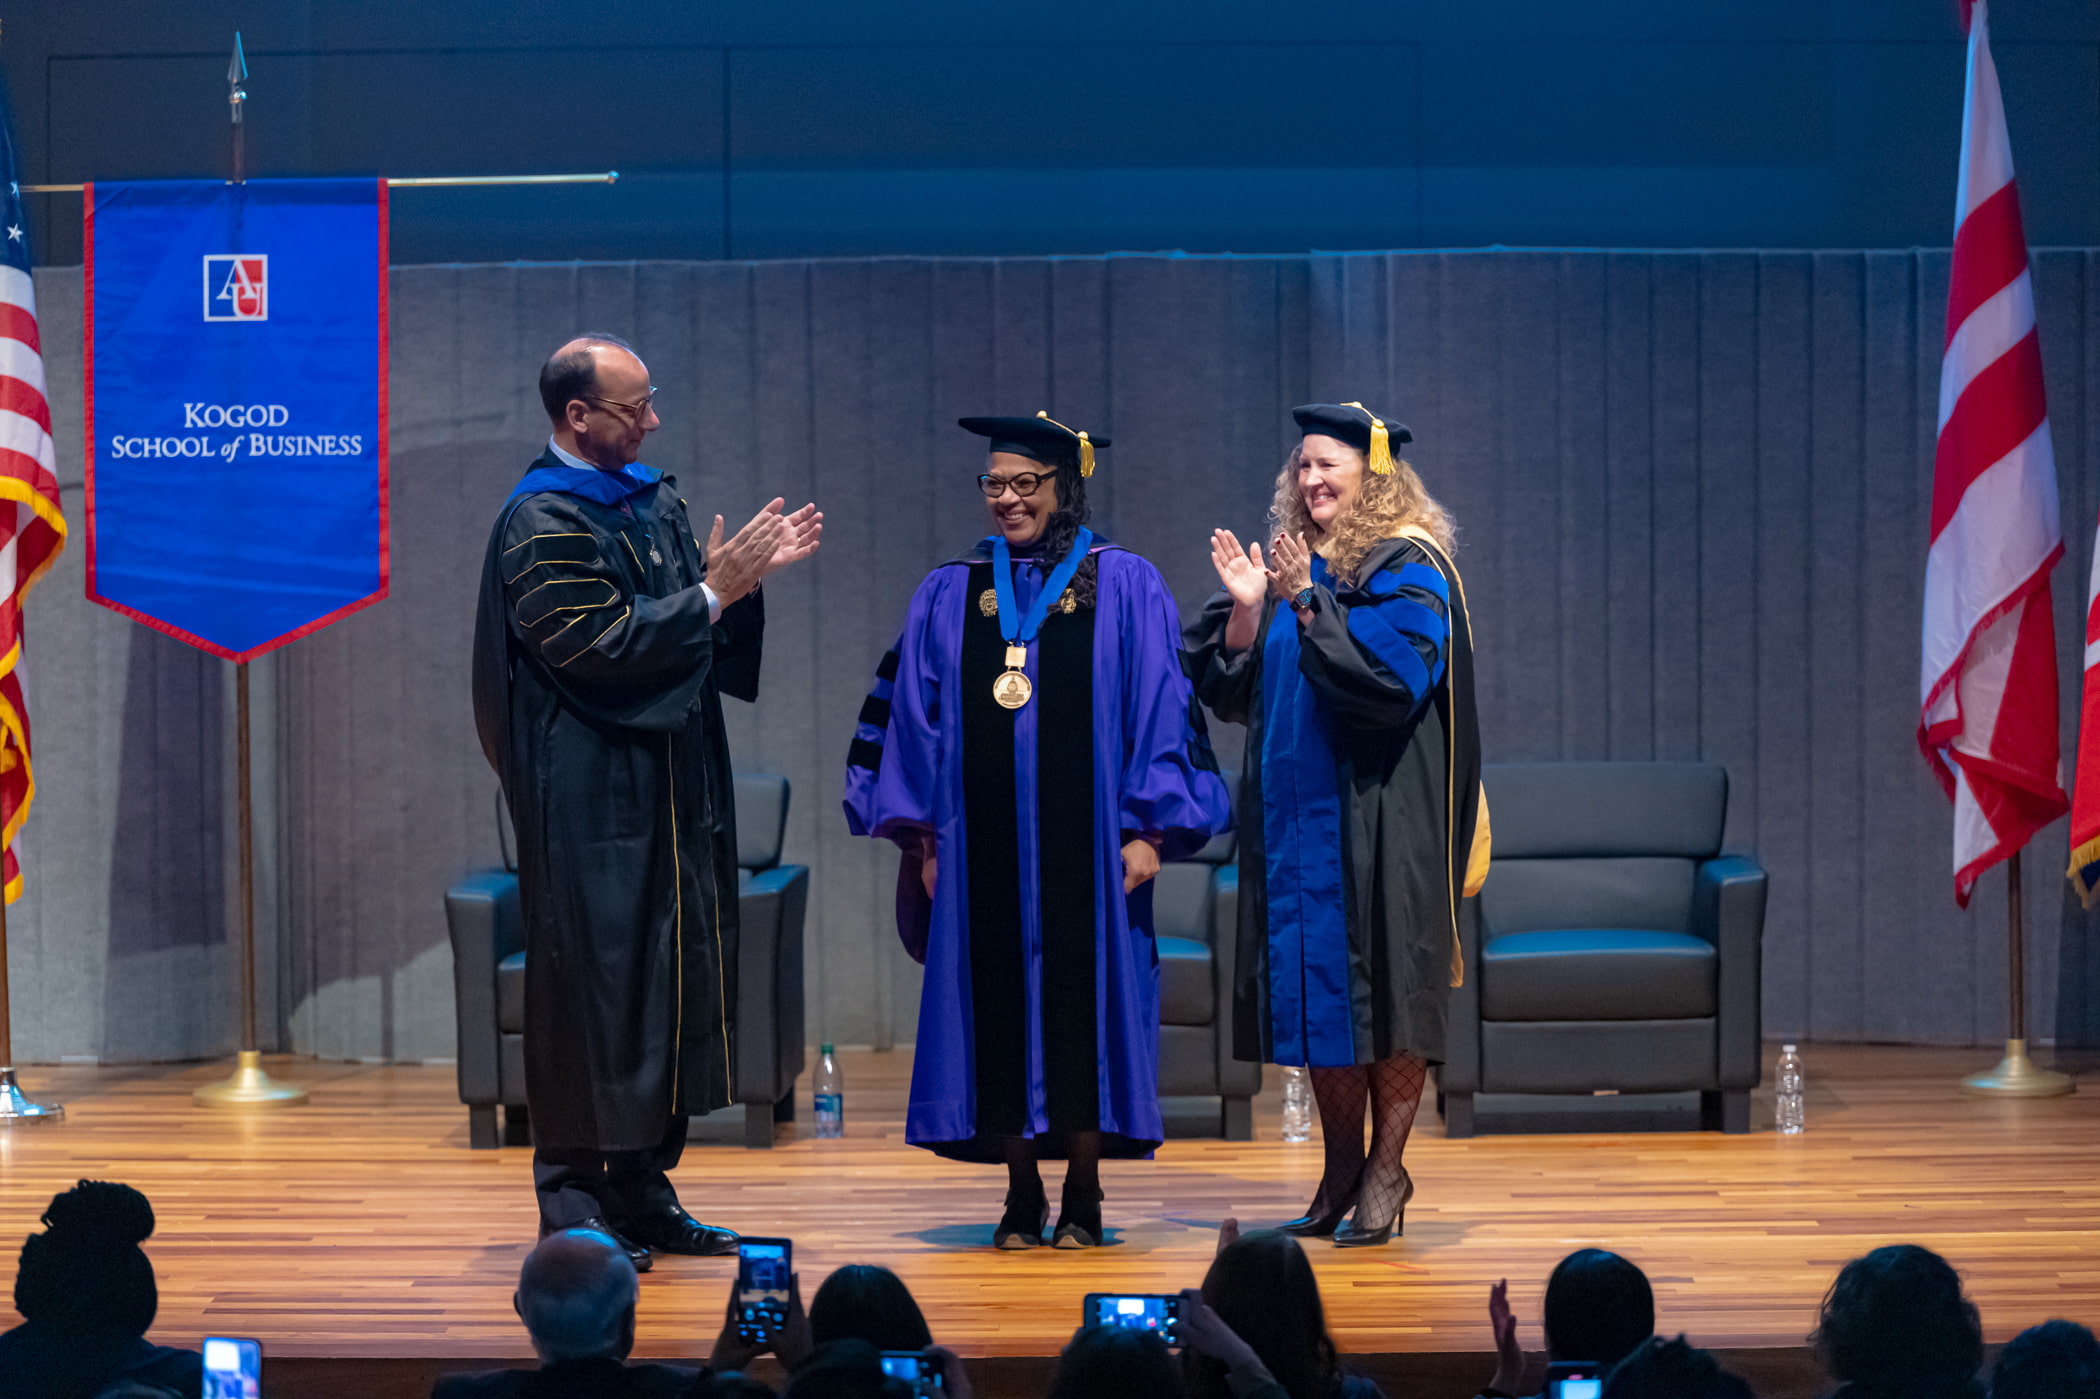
[{"x": 1692, "y": 490}]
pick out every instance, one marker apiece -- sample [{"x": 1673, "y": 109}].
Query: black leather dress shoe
[
  {"x": 636, "y": 1254},
  {"x": 674, "y": 1231}
]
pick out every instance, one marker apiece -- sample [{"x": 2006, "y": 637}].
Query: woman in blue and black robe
[
  {"x": 1348, "y": 656},
  {"x": 1034, "y": 779}
]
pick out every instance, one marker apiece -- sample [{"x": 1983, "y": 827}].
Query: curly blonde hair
[{"x": 1382, "y": 506}]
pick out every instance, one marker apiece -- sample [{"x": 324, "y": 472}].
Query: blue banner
[{"x": 236, "y": 406}]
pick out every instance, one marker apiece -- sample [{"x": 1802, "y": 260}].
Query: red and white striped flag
[
  {"x": 1987, "y": 718},
  {"x": 32, "y": 528}
]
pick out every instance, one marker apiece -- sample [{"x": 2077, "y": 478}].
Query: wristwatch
[{"x": 1303, "y": 601}]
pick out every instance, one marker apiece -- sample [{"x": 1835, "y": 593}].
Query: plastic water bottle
[
  {"x": 829, "y": 1089},
  {"x": 1297, "y": 1105},
  {"x": 1791, "y": 1115}
]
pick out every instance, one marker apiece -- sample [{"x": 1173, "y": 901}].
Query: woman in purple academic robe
[{"x": 1033, "y": 747}]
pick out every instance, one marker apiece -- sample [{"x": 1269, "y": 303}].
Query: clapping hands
[
  {"x": 801, "y": 533},
  {"x": 1290, "y": 566},
  {"x": 1287, "y": 572},
  {"x": 1509, "y": 1356},
  {"x": 770, "y": 541},
  {"x": 1240, "y": 570}
]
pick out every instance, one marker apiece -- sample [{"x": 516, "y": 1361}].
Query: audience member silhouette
[
  {"x": 1116, "y": 1362},
  {"x": 1895, "y": 1325},
  {"x": 576, "y": 1296},
  {"x": 2056, "y": 1360},
  {"x": 867, "y": 1303},
  {"x": 864, "y": 1302},
  {"x": 1660, "y": 1369},
  {"x": 86, "y": 1294},
  {"x": 844, "y": 1369},
  {"x": 1598, "y": 1307},
  {"x": 1262, "y": 1287}
]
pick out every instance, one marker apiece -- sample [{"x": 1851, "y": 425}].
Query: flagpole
[
  {"x": 249, "y": 1087},
  {"x": 2016, "y": 1076},
  {"x": 15, "y": 1106}
]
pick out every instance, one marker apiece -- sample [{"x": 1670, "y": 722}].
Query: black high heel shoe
[
  {"x": 1022, "y": 1224},
  {"x": 1322, "y": 1226},
  {"x": 1362, "y": 1234},
  {"x": 1079, "y": 1219}
]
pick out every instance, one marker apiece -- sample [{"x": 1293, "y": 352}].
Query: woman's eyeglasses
[{"x": 1023, "y": 485}]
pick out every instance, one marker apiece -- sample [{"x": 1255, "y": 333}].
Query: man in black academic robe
[{"x": 600, "y": 659}]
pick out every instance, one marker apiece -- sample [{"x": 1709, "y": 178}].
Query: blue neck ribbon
[{"x": 1019, "y": 630}]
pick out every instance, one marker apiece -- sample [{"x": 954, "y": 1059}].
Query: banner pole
[
  {"x": 596, "y": 177},
  {"x": 236, "y": 74},
  {"x": 2016, "y": 1076},
  {"x": 249, "y": 1087}
]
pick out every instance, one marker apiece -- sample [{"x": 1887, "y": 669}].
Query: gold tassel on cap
[
  {"x": 1380, "y": 457},
  {"x": 1086, "y": 447}
]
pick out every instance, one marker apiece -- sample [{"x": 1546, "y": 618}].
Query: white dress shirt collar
[{"x": 568, "y": 458}]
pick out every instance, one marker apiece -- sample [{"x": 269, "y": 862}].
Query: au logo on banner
[{"x": 236, "y": 287}]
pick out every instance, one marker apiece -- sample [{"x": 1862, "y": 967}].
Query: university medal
[{"x": 1011, "y": 688}]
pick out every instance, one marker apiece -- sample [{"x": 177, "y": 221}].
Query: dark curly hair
[
  {"x": 2055, "y": 1360},
  {"x": 86, "y": 1270},
  {"x": 1660, "y": 1369},
  {"x": 1895, "y": 1321},
  {"x": 1072, "y": 512}
]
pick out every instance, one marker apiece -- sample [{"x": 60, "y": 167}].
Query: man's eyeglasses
[
  {"x": 638, "y": 409},
  {"x": 1024, "y": 485}
]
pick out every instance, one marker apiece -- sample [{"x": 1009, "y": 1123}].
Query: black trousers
[{"x": 615, "y": 1186}]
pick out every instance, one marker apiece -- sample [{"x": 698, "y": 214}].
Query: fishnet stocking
[
  {"x": 1396, "y": 1094},
  {"x": 1341, "y": 1094}
]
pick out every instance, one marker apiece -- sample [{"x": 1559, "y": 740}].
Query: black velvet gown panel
[{"x": 1064, "y": 832}]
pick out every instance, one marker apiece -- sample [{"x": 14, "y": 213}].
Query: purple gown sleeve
[
  {"x": 893, "y": 767},
  {"x": 1171, "y": 789}
]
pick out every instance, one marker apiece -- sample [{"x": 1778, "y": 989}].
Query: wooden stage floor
[{"x": 362, "y": 1226}]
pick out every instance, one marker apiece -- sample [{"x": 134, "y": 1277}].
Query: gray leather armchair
[
  {"x": 1614, "y": 947},
  {"x": 488, "y": 978},
  {"x": 1195, "y": 920}
]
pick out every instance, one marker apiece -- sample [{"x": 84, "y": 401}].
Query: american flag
[
  {"x": 32, "y": 528},
  {"x": 1988, "y": 704}
]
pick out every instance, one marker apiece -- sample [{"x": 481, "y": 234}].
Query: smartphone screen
[
  {"x": 1568, "y": 1379},
  {"x": 762, "y": 1272},
  {"x": 912, "y": 1367},
  {"x": 1136, "y": 1311},
  {"x": 232, "y": 1368}
]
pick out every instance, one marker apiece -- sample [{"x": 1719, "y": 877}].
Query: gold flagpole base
[
  {"x": 249, "y": 1087},
  {"x": 19, "y": 1109},
  {"x": 2018, "y": 1077}
]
